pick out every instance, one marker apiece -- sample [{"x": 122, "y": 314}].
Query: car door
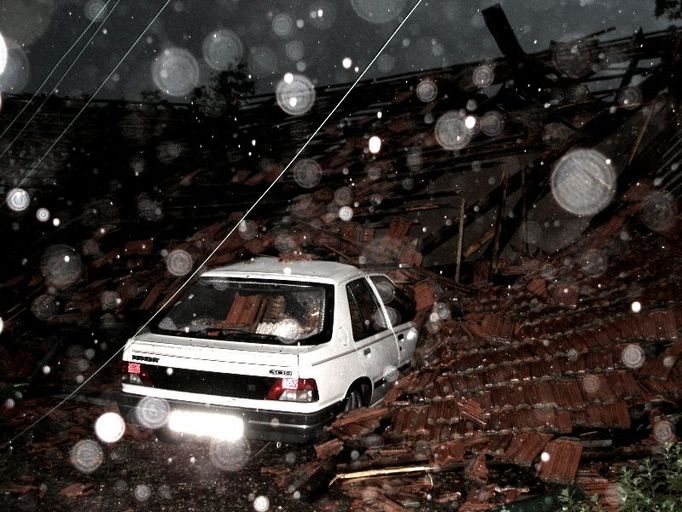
[
  {"x": 400, "y": 310},
  {"x": 374, "y": 341}
]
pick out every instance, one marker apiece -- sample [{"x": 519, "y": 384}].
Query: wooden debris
[
  {"x": 358, "y": 422},
  {"x": 15, "y": 488},
  {"x": 382, "y": 472},
  {"x": 76, "y": 490},
  {"x": 328, "y": 449},
  {"x": 477, "y": 470}
]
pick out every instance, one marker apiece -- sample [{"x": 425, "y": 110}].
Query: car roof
[{"x": 265, "y": 266}]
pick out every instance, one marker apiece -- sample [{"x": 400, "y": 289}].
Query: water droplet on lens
[
  {"x": 492, "y": 123},
  {"x": 630, "y": 97},
  {"x": 451, "y": 131},
  {"x": 427, "y": 90},
  {"x": 96, "y": 10},
  {"x": 385, "y": 63},
  {"x": 294, "y": 50},
  {"x": 179, "y": 262},
  {"x": 247, "y": 229},
  {"x": 61, "y": 266},
  {"x": 582, "y": 182},
  {"x": 229, "y": 455},
  {"x": 483, "y": 75},
  {"x": 175, "y": 72},
  {"x": 591, "y": 384},
  {"x": 295, "y": 96},
  {"x": 43, "y": 214},
  {"x": 86, "y": 456},
  {"x": 378, "y": 11},
  {"x": 322, "y": 14},
  {"x": 282, "y": 25},
  {"x": 345, "y": 213},
  {"x": 44, "y": 306},
  {"x": 664, "y": 432},
  {"x": 17, "y": 199},
  {"x": 307, "y": 173},
  {"x": 222, "y": 49},
  {"x": 659, "y": 211},
  {"x": 633, "y": 356},
  {"x": 593, "y": 263},
  {"x": 165, "y": 492},
  {"x": 152, "y": 412},
  {"x": 261, "y": 504},
  {"x": 262, "y": 61},
  {"x": 343, "y": 196},
  {"x": 142, "y": 492}
]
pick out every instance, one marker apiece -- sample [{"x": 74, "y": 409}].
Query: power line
[
  {"x": 73, "y": 63},
  {"x": 85, "y": 105},
  {"x": 243, "y": 218},
  {"x": 54, "y": 68}
]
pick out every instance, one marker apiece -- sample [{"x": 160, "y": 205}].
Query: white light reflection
[
  {"x": 217, "y": 426},
  {"x": 3, "y": 54},
  {"x": 110, "y": 427},
  {"x": 374, "y": 144}
]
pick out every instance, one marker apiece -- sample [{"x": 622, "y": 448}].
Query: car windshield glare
[{"x": 251, "y": 310}]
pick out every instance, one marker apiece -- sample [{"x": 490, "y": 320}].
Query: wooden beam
[{"x": 460, "y": 239}]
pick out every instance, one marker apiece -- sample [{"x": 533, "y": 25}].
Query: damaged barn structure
[{"x": 550, "y": 337}]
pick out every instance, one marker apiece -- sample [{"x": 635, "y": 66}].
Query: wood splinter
[{"x": 383, "y": 472}]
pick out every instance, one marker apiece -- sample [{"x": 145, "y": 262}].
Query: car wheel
[{"x": 353, "y": 400}]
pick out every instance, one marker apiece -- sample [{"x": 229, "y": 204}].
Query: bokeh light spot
[
  {"x": 451, "y": 131},
  {"x": 109, "y": 427},
  {"x": 175, "y": 72},
  {"x": 307, "y": 173},
  {"x": 295, "y": 94},
  {"x": 378, "y": 11},
  {"x": 17, "y": 199},
  {"x": 179, "y": 262},
  {"x": 222, "y": 49},
  {"x": 582, "y": 182},
  {"x": 86, "y": 456}
]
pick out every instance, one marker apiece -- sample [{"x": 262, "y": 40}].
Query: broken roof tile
[{"x": 560, "y": 460}]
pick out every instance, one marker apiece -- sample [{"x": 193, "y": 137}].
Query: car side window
[
  {"x": 365, "y": 313},
  {"x": 399, "y": 305}
]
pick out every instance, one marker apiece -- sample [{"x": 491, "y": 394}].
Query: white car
[{"x": 268, "y": 349}]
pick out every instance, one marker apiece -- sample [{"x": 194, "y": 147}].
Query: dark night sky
[{"x": 276, "y": 37}]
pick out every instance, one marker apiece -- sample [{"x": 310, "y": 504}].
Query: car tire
[{"x": 353, "y": 400}]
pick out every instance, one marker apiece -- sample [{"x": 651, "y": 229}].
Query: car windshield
[{"x": 248, "y": 310}]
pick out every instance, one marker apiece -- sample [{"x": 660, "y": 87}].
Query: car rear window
[{"x": 251, "y": 310}]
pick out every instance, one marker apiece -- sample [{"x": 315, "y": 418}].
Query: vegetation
[
  {"x": 571, "y": 501},
  {"x": 653, "y": 486}
]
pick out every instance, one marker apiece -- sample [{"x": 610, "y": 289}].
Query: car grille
[{"x": 210, "y": 383}]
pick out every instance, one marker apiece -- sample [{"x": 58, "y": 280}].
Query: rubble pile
[{"x": 565, "y": 373}]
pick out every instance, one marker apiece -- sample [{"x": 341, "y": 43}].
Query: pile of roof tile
[{"x": 562, "y": 368}]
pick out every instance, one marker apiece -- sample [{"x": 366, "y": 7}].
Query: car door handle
[
  {"x": 367, "y": 351},
  {"x": 401, "y": 337}
]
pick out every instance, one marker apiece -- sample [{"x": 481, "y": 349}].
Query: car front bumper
[{"x": 261, "y": 424}]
